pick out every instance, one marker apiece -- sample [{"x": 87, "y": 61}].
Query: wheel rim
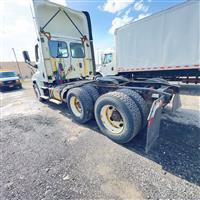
[
  {"x": 112, "y": 119},
  {"x": 75, "y": 106}
]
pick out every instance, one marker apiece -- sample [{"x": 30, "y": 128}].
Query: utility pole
[{"x": 17, "y": 63}]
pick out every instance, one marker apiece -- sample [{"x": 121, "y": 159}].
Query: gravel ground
[{"x": 45, "y": 155}]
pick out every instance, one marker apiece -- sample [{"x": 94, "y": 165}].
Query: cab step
[
  {"x": 44, "y": 87},
  {"x": 45, "y": 97},
  {"x": 55, "y": 101}
]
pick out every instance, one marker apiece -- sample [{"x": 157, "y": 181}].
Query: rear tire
[
  {"x": 80, "y": 105},
  {"x": 92, "y": 91},
  {"x": 126, "y": 112},
  {"x": 140, "y": 102},
  {"x": 97, "y": 76}
]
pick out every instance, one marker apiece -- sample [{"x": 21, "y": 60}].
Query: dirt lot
[{"x": 45, "y": 155}]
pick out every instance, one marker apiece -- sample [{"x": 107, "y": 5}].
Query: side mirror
[
  {"x": 26, "y": 57},
  {"x": 28, "y": 60}
]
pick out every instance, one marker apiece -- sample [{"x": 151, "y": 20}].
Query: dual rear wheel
[
  {"x": 117, "y": 116},
  {"x": 120, "y": 115},
  {"x": 80, "y": 104}
]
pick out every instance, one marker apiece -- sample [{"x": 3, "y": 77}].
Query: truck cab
[
  {"x": 108, "y": 64},
  {"x": 66, "y": 74},
  {"x": 64, "y": 53}
]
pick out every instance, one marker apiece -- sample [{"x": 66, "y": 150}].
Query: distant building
[{"x": 26, "y": 71}]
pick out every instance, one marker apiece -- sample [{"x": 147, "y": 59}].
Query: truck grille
[{"x": 9, "y": 82}]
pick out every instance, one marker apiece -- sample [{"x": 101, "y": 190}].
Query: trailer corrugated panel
[{"x": 164, "y": 41}]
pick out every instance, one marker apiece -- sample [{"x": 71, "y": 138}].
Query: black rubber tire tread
[
  {"x": 132, "y": 109},
  {"x": 120, "y": 79},
  {"x": 140, "y": 102},
  {"x": 92, "y": 91},
  {"x": 97, "y": 76},
  {"x": 20, "y": 86},
  {"x": 86, "y": 102}
]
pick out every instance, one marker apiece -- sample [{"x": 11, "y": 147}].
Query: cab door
[
  {"x": 67, "y": 59},
  {"x": 59, "y": 58},
  {"x": 108, "y": 65},
  {"x": 77, "y": 59}
]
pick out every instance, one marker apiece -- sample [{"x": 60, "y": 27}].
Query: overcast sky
[{"x": 17, "y": 29}]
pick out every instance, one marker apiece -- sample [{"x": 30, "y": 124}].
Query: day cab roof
[{"x": 59, "y": 20}]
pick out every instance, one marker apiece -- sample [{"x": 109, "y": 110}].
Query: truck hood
[{"x": 9, "y": 78}]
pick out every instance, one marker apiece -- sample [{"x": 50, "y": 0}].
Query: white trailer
[
  {"x": 166, "y": 44},
  {"x": 65, "y": 73}
]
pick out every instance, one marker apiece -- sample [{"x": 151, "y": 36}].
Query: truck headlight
[{"x": 17, "y": 81}]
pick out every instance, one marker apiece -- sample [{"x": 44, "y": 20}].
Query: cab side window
[
  {"x": 107, "y": 58},
  {"x": 77, "y": 50},
  {"x": 58, "y": 49}
]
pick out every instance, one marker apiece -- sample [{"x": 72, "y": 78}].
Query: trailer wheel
[
  {"x": 140, "y": 102},
  {"x": 80, "y": 105},
  {"x": 37, "y": 92},
  {"x": 117, "y": 116},
  {"x": 92, "y": 91}
]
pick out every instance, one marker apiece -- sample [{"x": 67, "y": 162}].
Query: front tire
[
  {"x": 37, "y": 93},
  {"x": 117, "y": 116},
  {"x": 80, "y": 105}
]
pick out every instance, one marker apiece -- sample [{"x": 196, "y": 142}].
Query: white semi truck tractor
[
  {"x": 165, "y": 44},
  {"x": 65, "y": 72}
]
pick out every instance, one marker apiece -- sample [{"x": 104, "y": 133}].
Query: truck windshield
[
  {"x": 107, "y": 58},
  {"x": 7, "y": 74},
  {"x": 77, "y": 50},
  {"x": 58, "y": 49}
]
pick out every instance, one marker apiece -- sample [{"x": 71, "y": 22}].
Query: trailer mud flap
[{"x": 153, "y": 126}]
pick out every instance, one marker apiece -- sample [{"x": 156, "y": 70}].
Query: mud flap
[
  {"x": 176, "y": 103},
  {"x": 153, "y": 127}
]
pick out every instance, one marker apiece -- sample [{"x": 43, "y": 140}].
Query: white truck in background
[
  {"x": 165, "y": 45},
  {"x": 65, "y": 73}
]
